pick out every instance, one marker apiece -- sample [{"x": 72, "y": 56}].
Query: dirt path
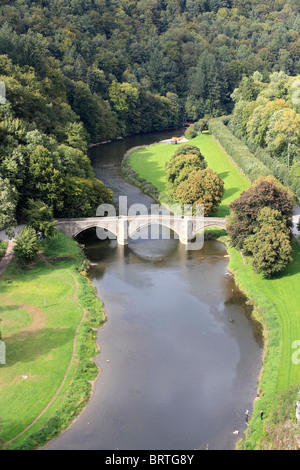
[
  {"x": 84, "y": 312},
  {"x": 7, "y": 258}
]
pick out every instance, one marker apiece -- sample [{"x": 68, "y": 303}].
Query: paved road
[
  {"x": 9, "y": 254},
  {"x": 4, "y": 237},
  {"x": 296, "y": 219}
]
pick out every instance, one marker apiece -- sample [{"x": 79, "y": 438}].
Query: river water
[{"x": 180, "y": 355}]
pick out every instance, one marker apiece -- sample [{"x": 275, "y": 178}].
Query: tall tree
[
  {"x": 202, "y": 187},
  {"x": 266, "y": 192},
  {"x": 8, "y": 203}
]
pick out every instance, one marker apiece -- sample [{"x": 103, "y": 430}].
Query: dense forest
[
  {"x": 84, "y": 71},
  {"x": 135, "y": 66}
]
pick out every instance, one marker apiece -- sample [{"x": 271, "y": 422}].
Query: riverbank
[
  {"x": 276, "y": 301},
  {"x": 50, "y": 313},
  {"x": 276, "y": 306}
]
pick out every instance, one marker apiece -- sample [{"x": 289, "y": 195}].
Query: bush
[
  {"x": 27, "y": 245},
  {"x": 188, "y": 149},
  {"x": 2, "y": 249},
  {"x": 40, "y": 217},
  {"x": 190, "y": 133}
]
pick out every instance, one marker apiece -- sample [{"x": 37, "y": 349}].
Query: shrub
[
  {"x": 188, "y": 149},
  {"x": 27, "y": 245},
  {"x": 40, "y": 217},
  {"x": 190, "y": 133}
]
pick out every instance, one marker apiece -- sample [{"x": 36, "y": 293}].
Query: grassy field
[
  {"x": 41, "y": 310},
  {"x": 276, "y": 304},
  {"x": 150, "y": 164}
]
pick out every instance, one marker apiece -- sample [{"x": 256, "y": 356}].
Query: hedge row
[{"x": 248, "y": 163}]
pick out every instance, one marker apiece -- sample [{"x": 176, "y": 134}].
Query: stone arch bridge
[{"x": 124, "y": 227}]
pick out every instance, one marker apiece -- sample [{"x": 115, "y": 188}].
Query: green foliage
[
  {"x": 270, "y": 243},
  {"x": 41, "y": 142},
  {"x": 190, "y": 133},
  {"x": 266, "y": 192},
  {"x": 179, "y": 168},
  {"x": 8, "y": 203},
  {"x": 2, "y": 249},
  {"x": 82, "y": 197},
  {"x": 27, "y": 246},
  {"x": 185, "y": 149},
  {"x": 40, "y": 217},
  {"x": 208, "y": 92},
  {"x": 201, "y": 187},
  {"x": 124, "y": 60},
  {"x": 44, "y": 180},
  {"x": 259, "y": 223}
]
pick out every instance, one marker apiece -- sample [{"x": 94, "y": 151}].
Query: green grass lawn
[
  {"x": 277, "y": 303},
  {"x": 150, "y": 164},
  {"x": 39, "y": 319}
]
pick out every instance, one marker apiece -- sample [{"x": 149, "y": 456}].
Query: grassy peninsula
[
  {"x": 149, "y": 164},
  {"x": 50, "y": 313}
]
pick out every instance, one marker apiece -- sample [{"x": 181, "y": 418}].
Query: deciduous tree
[
  {"x": 201, "y": 187},
  {"x": 266, "y": 192},
  {"x": 27, "y": 246},
  {"x": 270, "y": 243}
]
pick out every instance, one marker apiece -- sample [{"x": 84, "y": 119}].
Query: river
[{"x": 180, "y": 354}]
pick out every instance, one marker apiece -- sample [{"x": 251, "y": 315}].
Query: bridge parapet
[{"x": 124, "y": 227}]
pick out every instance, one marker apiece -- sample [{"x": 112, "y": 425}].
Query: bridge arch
[
  {"x": 94, "y": 225},
  {"x": 148, "y": 224}
]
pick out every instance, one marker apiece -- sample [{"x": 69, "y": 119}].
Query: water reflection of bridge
[{"x": 124, "y": 227}]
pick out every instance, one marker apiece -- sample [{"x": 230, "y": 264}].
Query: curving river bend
[{"x": 180, "y": 355}]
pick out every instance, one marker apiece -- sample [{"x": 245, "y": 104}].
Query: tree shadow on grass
[
  {"x": 231, "y": 191},
  {"x": 31, "y": 346},
  {"x": 224, "y": 174}
]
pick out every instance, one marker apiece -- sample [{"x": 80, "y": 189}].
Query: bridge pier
[
  {"x": 122, "y": 232},
  {"x": 186, "y": 231}
]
